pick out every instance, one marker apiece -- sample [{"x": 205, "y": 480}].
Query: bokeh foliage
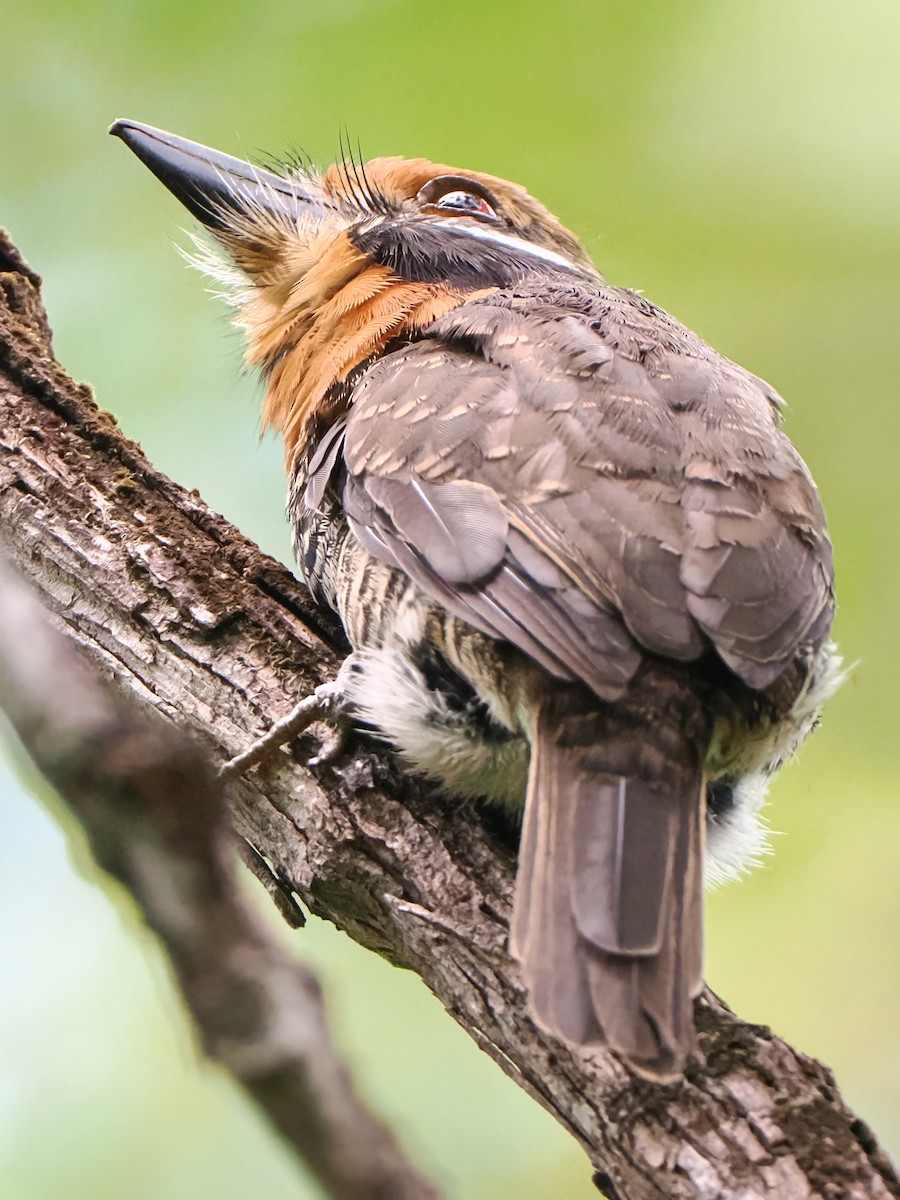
[{"x": 739, "y": 163}]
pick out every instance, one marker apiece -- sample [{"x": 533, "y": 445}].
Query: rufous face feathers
[{"x": 326, "y": 269}]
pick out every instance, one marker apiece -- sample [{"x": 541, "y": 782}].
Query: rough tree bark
[
  {"x": 171, "y": 603},
  {"x": 155, "y": 818}
]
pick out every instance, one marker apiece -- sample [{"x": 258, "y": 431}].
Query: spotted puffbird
[{"x": 578, "y": 561}]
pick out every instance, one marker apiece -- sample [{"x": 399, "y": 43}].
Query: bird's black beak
[{"x": 210, "y": 184}]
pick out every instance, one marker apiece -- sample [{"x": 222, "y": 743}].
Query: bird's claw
[
  {"x": 332, "y": 746},
  {"x": 326, "y": 703}
]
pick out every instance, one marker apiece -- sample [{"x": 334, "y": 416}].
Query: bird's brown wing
[{"x": 572, "y": 471}]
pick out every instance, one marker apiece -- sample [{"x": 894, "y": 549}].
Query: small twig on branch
[
  {"x": 155, "y": 818},
  {"x": 193, "y": 621}
]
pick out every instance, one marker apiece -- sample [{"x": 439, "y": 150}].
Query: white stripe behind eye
[{"x": 485, "y": 233}]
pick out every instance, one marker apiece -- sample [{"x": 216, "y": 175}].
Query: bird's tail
[{"x": 608, "y": 910}]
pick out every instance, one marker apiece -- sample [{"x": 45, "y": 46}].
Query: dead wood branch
[{"x": 155, "y": 818}]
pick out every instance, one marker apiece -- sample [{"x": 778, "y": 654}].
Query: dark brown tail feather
[{"x": 607, "y": 920}]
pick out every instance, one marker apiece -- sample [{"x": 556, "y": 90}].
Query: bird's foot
[{"x": 327, "y": 703}]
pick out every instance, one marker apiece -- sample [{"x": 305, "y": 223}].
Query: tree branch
[
  {"x": 155, "y": 817},
  {"x": 173, "y": 604}
]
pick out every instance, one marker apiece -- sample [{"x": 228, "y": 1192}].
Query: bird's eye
[
  {"x": 451, "y": 194},
  {"x": 466, "y": 202}
]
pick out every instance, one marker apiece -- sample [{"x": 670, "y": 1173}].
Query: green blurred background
[{"x": 739, "y": 163}]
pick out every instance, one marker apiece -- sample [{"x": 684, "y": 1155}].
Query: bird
[{"x": 582, "y": 570}]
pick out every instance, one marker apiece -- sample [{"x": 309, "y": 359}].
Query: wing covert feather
[{"x": 576, "y": 473}]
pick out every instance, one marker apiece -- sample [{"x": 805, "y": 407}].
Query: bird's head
[{"x": 328, "y": 268}]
